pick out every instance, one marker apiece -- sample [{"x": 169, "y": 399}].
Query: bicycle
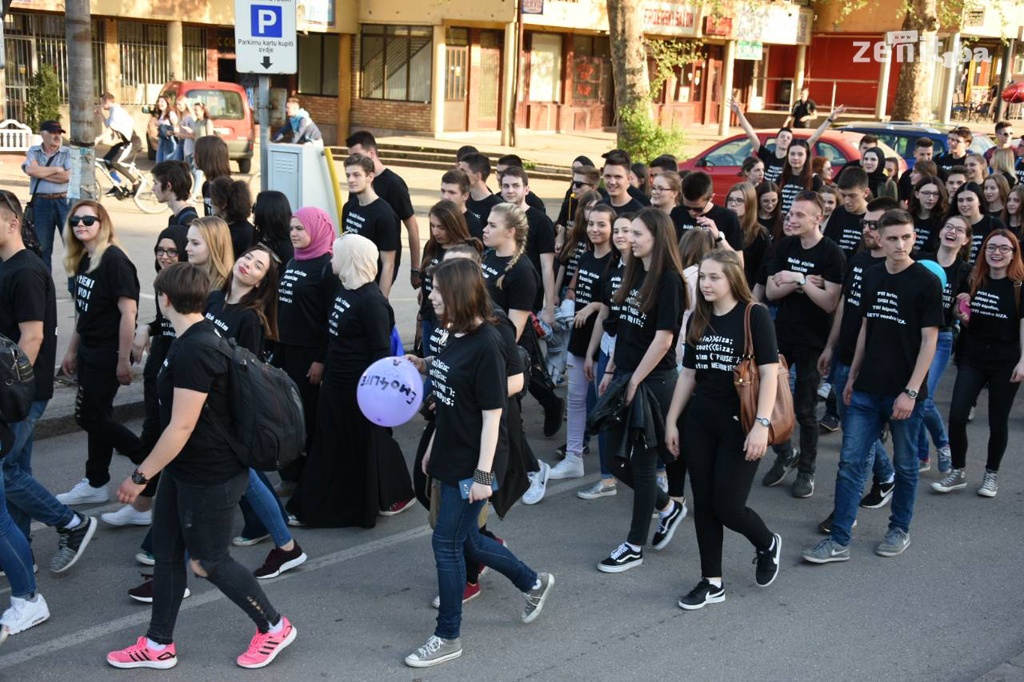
[{"x": 143, "y": 195}]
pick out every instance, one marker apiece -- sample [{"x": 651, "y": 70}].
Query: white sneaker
[
  {"x": 23, "y": 614},
  {"x": 598, "y": 490},
  {"x": 570, "y": 467},
  {"x": 824, "y": 390},
  {"x": 83, "y": 493},
  {"x": 128, "y": 516},
  {"x": 538, "y": 485}
]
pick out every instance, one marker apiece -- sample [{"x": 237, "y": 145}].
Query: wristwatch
[
  {"x": 763, "y": 421},
  {"x": 720, "y": 238},
  {"x": 911, "y": 392},
  {"x": 138, "y": 478}
]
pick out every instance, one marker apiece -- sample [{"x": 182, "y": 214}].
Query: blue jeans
[
  {"x": 456, "y": 534},
  {"x": 878, "y": 458},
  {"x": 49, "y": 215},
  {"x": 931, "y": 421},
  {"x": 15, "y": 554},
  {"x": 865, "y": 416},
  {"x": 27, "y": 499},
  {"x": 263, "y": 511}
]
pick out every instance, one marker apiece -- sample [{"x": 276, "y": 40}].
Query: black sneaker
[
  {"x": 667, "y": 526},
  {"x": 825, "y": 527},
  {"x": 778, "y": 472},
  {"x": 553, "y": 418},
  {"x": 621, "y": 559},
  {"x": 830, "y": 423},
  {"x": 704, "y": 593},
  {"x": 72, "y": 543},
  {"x": 879, "y": 495},
  {"x": 768, "y": 563}
]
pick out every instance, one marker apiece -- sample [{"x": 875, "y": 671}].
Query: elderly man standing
[{"x": 48, "y": 165}]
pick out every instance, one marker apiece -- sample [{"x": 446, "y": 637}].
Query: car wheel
[{"x": 244, "y": 166}]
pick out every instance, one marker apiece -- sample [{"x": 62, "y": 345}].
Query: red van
[{"x": 227, "y": 105}]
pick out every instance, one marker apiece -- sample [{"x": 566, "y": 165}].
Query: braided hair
[{"x": 515, "y": 219}]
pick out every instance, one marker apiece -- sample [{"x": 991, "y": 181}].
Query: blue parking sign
[{"x": 267, "y": 21}]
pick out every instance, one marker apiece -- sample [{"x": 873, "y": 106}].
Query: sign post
[{"x": 265, "y": 43}]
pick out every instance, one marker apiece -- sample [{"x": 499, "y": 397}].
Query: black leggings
[
  {"x": 94, "y": 412},
  {"x": 805, "y": 405},
  {"x": 198, "y": 518},
  {"x": 969, "y": 382},
  {"x": 640, "y": 472},
  {"x": 720, "y": 477}
]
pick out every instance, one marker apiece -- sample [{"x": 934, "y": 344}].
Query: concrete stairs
[{"x": 442, "y": 159}]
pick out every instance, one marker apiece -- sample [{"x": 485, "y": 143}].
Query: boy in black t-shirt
[
  {"x": 775, "y": 159},
  {"x": 804, "y": 280},
  {"x": 370, "y": 216},
  {"x": 585, "y": 178},
  {"x": 514, "y": 161},
  {"x": 540, "y": 239},
  {"x": 477, "y": 167},
  {"x": 844, "y": 226},
  {"x": 902, "y": 311},
  {"x": 455, "y": 188},
  {"x": 172, "y": 185},
  {"x": 699, "y": 211},
  {"x": 616, "y": 183},
  {"x": 924, "y": 148},
  {"x": 957, "y": 143}
]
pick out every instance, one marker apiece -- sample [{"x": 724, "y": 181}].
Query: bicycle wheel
[
  {"x": 144, "y": 197},
  {"x": 103, "y": 182}
]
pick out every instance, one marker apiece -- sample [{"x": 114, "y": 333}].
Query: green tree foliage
[{"x": 43, "y": 98}]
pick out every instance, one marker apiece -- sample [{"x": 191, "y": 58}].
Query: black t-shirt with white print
[
  {"x": 305, "y": 295},
  {"x": 799, "y": 321},
  {"x": 956, "y": 281},
  {"x": 359, "y": 326},
  {"x": 377, "y": 222},
  {"x": 636, "y": 328},
  {"x": 772, "y": 164},
  {"x": 589, "y": 282},
  {"x": 724, "y": 219},
  {"x": 849, "y": 326},
  {"x": 97, "y": 293},
  {"x": 467, "y": 378},
  {"x": 473, "y": 224},
  {"x": 718, "y": 352},
  {"x": 788, "y": 192},
  {"x": 927, "y": 230},
  {"x": 993, "y": 332},
  {"x": 844, "y": 229},
  {"x": 518, "y": 289},
  {"x": 945, "y": 163},
  {"x": 609, "y": 287},
  {"x": 194, "y": 362},
  {"x": 427, "y": 285},
  {"x": 232, "y": 321},
  {"x": 896, "y": 308},
  {"x": 27, "y": 295}
]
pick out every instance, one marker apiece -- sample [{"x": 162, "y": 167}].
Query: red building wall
[{"x": 830, "y": 59}]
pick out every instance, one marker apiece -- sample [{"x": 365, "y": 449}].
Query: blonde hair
[
  {"x": 74, "y": 249},
  {"x": 515, "y": 219},
  {"x": 1004, "y": 160},
  {"x": 217, "y": 236},
  {"x": 357, "y": 259}
]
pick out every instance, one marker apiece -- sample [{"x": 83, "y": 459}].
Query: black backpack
[
  {"x": 17, "y": 382},
  {"x": 268, "y": 430}
]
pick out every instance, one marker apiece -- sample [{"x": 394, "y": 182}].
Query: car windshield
[{"x": 220, "y": 104}]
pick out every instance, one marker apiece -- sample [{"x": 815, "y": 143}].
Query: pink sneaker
[
  {"x": 265, "y": 647},
  {"x": 139, "y": 655}
]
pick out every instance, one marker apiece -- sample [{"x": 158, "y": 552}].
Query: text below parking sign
[{"x": 265, "y": 40}]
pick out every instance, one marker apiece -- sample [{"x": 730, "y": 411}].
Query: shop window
[
  {"x": 318, "y": 64},
  {"x": 546, "y": 68},
  {"x": 591, "y": 68},
  {"x": 396, "y": 62},
  {"x": 688, "y": 87}
]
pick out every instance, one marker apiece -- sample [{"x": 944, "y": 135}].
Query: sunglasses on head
[
  {"x": 87, "y": 220},
  {"x": 10, "y": 204}
]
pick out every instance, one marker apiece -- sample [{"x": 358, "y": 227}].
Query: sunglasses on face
[
  {"x": 577, "y": 184},
  {"x": 869, "y": 224},
  {"x": 87, "y": 220}
]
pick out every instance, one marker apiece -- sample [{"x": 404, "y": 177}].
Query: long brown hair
[
  {"x": 664, "y": 258},
  {"x": 461, "y": 284},
  {"x": 752, "y": 229},
  {"x": 703, "y": 311},
  {"x": 578, "y": 233},
  {"x": 1014, "y": 271},
  {"x": 261, "y": 299},
  {"x": 211, "y": 157},
  {"x": 454, "y": 223}
]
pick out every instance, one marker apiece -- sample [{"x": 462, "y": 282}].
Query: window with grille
[
  {"x": 396, "y": 62},
  {"x": 143, "y": 54},
  {"x": 318, "y": 64},
  {"x": 193, "y": 58}
]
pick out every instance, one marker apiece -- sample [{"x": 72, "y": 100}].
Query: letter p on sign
[{"x": 267, "y": 22}]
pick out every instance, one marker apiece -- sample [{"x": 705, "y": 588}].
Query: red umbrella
[{"x": 1014, "y": 93}]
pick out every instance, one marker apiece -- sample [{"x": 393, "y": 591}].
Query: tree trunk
[
  {"x": 914, "y": 87},
  {"x": 629, "y": 64},
  {"x": 78, "y": 22}
]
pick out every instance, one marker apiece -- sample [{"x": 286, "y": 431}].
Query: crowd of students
[{"x": 637, "y": 298}]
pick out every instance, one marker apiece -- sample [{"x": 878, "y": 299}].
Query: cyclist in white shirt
[{"x": 127, "y": 141}]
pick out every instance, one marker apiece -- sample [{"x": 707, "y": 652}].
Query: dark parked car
[{"x": 902, "y": 135}]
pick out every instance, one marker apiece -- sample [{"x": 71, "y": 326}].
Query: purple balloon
[{"x": 390, "y": 391}]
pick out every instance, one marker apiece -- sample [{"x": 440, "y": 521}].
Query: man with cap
[{"x": 48, "y": 166}]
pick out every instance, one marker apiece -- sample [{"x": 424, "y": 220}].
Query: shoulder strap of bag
[
  {"x": 748, "y": 344},
  {"x": 35, "y": 181}
]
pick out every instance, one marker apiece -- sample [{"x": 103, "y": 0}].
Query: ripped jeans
[{"x": 198, "y": 519}]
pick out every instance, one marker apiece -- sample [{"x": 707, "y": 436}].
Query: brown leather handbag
[{"x": 747, "y": 378}]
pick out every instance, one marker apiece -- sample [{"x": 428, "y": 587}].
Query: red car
[{"x": 722, "y": 160}]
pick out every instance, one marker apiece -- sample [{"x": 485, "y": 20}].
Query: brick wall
[
  {"x": 324, "y": 111},
  {"x": 383, "y": 117}
]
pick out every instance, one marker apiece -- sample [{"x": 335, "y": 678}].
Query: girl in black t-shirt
[
  {"x": 796, "y": 175},
  {"x": 306, "y": 292},
  {"x": 202, "y": 480},
  {"x": 106, "y": 292},
  {"x": 742, "y": 200},
  {"x": 271, "y": 215},
  {"x": 991, "y": 356},
  {"x": 355, "y": 471},
  {"x": 969, "y": 201},
  {"x": 464, "y": 456},
  {"x": 928, "y": 204},
  {"x": 721, "y": 459},
  {"x": 587, "y": 284},
  {"x": 575, "y": 244},
  {"x": 511, "y": 279},
  {"x": 996, "y": 189},
  {"x": 447, "y": 229},
  {"x": 245, "y": 309},
  {"x": 212, "y": 161},
  {"x": 666, "y": 189},
  {"x": 1013, "y": 212},
  {"x": 232, "y": 201},
  {"x": 652, "y": 299},
  {"x": 768, "y": 206},
  {"x": 209, "y": 246}
]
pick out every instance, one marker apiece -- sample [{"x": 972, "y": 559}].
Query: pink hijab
[{"x": 321, "y": 232}]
